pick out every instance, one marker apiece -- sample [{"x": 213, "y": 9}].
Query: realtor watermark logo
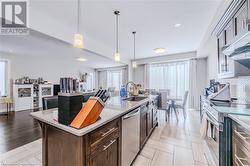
[{"x": 14, "y": 17}]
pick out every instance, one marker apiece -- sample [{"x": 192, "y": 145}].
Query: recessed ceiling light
[
  {"x": 177, "y": 25},
  {"x": 159, "y": 50},
  {"x": 81, "y": 59}
]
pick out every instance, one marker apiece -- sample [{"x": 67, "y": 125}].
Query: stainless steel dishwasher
[{"x": 130, "y": 136}]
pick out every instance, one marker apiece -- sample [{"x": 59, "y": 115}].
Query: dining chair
[
  {"x": 111, "y": 91},
  {"x": 50, "y": 102},
  {"x": 164, "y": 101},
  {"x": 183, "y": 105}
]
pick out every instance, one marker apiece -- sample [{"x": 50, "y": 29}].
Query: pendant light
[
  {"x": 134, "y": 64},
  {"x": 117, "y": 54},
  {"x": 78, "y": 38}
]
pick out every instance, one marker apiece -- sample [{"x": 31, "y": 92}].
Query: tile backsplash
[
  {"x": 240, "y": 89},
  {"x": 243, "y": 90}
]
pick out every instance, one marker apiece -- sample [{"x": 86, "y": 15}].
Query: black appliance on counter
[
  {"x": 56, "y": 89},
  {"x": 69, "y": 105}
]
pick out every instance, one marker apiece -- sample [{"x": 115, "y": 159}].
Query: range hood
[{"x": 240, "y": 50}]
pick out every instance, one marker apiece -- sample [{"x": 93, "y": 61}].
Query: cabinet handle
[
  {"x": 240, "y": 160},
  {"x": 108, "y": 132},
  {"x": 107, "y": 146}
]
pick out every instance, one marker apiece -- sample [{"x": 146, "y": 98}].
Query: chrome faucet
[{"x": 128, "y": 92}]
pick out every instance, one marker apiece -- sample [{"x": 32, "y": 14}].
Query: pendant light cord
[
  {"x": 78, "y": 15},
  {"x": 117, "y": 37},
  {"x": 134, "y": 43}
]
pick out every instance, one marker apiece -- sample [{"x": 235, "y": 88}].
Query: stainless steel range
[
  {"x": 215, "y": 125},
  {"x": 219, "y": 133}
]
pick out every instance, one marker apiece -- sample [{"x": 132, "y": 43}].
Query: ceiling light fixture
[
  {"x": 177, "y": 25},
  {"x": 81, "y": 59},
  {"x": 134, "y": 64},
  {"x": 159, "y": 50},
  {"x": 78, "y": 38},
  {"x": 117, "y": 55}
]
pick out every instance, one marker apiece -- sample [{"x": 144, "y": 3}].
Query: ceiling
[
  {"x": 153, "y": 20},
  {"x": 43, "y": 46}
]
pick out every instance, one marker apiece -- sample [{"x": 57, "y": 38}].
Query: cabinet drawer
[
  {"x": 103, "y": 132},
  {"x": 102, "y": 145},
  {"x": 242, "y": 136},
  {"x": 241, "y": 155}
]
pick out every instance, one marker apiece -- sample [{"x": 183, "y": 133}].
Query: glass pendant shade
[
  {"x": 117, "y": 57},
  {"x": 134, "y": 64},
  {"x": 78, "y": 40}
]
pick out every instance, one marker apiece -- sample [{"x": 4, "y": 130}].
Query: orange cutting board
[{"x": 89, "y": 114}]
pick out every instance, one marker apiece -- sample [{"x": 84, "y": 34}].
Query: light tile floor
[
  {"x": 27, "y": 155},
  {"x": 174, "y": 143},
  {"x": 171, "y": 144}
]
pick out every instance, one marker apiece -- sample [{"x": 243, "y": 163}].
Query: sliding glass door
[{"x": 173, "y": 76}]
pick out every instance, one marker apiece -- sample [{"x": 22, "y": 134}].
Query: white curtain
[
  {"x": 193, "y": 97},
  {"x": 172, "y": 75},
  {"x": 124, "y": 76},
  {"x": 90, "y": 81},
  {"x": 102, "y": 79},
  {"x": 2, "y": 78},
  {"x": 114, "y": 79}
]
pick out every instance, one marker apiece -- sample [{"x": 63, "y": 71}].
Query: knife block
[
  {"x": 89, "y": 114},
  {"x": 69, "y": 105}
]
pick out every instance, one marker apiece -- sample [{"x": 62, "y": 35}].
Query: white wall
[
  {"x": 138, "y": 75},
  {"x": 201, "y": 80},
  {"x": 50, "y": 69},
  {"x": 166, "y": 58}
]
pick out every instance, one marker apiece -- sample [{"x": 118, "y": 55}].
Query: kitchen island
[{"x": 96, "y": 144}]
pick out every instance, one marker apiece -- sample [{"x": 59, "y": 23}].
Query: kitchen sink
[{"x": 135, "y": 98}]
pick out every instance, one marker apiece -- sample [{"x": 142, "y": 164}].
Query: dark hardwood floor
[{"x": 17, "y": 130}]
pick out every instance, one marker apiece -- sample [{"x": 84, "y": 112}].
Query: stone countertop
[
  {"x": 114, "y": 108},
  {"x": 233, "y": 110},
  {"x": 241, "y": 109},
  {"x": 242, "y": 120}
]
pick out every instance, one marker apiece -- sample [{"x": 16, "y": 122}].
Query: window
[
  {"x": 114, "y": 79},
  {"x": 90, "y": 81},
  {"x": 3, "y": 87},
  {"x": 173, "y": 76}
]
